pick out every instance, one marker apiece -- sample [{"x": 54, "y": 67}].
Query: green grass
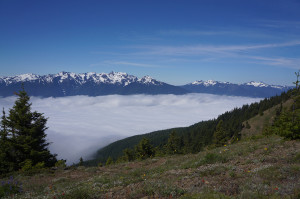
[{"x": 264, "y": 167}]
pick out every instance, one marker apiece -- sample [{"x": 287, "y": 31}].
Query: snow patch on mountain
[
  {"x": 119, "y": 78},
  {"x": 257, "y": 84},
  {"x": 208, "y": 82},
  {"x": 252, "y": 83},
  {"x": 262, "y": 84}
]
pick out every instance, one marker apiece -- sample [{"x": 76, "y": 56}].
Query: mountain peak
[
  {"x": 208, "y": 82},
  {"x": 120, "y": 78},
  {"x": 91, "y": 83},
  {"x": 257, "y": 84}
]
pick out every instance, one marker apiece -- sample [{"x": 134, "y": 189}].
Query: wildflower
[
  {"x": 266, "y": 148},
  {"x": 276, "y": 188},
  {"x": 225, "y": 145},
  {"x": 63, "y": 194}
]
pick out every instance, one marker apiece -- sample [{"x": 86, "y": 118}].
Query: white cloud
[
  {"x": 80, "y": 125},
  {"x": 279, "y": 61},
  {"x": 190, "y": 50}
]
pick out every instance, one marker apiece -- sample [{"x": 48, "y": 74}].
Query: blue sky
[{"x": 175, "y": 41}]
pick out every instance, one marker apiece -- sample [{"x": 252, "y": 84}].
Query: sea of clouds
[{"x": 80, "y": 125}]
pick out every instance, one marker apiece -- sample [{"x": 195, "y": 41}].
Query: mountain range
[{"x": 96, "y": 84}]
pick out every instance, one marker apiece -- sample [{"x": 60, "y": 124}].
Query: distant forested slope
[{"x": 197, "y": 136}]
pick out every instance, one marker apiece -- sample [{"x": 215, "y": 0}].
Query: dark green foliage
[
  {"x": 287, "y": 122},
  {"x": 221, "y": 136},
  {"x": 23, "y": 134},
  {"x": 174, "y": 144},
  {"x": 10, "y": 187},
  {"x": 109, "y": 161},
  {"x": 144, "y": 149},
  {"x": 129, "y": 155},
  {"x": 6, "y": 157},
  {"x": 80, "y": 161}
]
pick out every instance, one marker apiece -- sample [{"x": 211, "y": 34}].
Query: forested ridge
[{"x": 215, "y": 132}]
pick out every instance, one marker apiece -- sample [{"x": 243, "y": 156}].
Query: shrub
[
  {"x": 61, "y": 163},
  {"x": 109, "y": 161}
]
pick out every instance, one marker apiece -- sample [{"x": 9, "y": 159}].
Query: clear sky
[{"x": 175, "y": 41}]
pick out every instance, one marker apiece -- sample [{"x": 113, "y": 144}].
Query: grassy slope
[
  {"x": 258, "y": 122},
  {"x": 255, "y": 167}
]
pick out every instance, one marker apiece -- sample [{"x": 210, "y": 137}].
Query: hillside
[
  {"x": 256, "y": 167},
  {"x": 253, "y": 162},
  {"x": 196, "y": 136}
]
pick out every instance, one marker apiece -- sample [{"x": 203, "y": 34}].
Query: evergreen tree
[
  {"x": 173, "y": 145},
  {"x": 109, "y": 161},
  {"x": 220, "y": 135},
  {"x": 6, "y": 161},
  {"x": 25, "y": 131},
  {"x": 80, "y": 161},
  {"x": 144, "y": 149},
  {"x": 287, "y": 122},
  {"x": 129, "y": 155}
]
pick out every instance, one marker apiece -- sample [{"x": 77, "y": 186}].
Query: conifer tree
[
  {"x": 173, "y": 145},
  {"x": 6, "y": 161},
  {"x": 26, "y": 132},
  {"x": 129, "y": 154},
  {"x": 81, "y": 161},
  {"x": 109, "y": 161},
  {"x": 144, "y": 149},
  {"x": 220, "y": 135}
]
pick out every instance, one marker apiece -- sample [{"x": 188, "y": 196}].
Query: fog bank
[{"x": 79, "y": 125}]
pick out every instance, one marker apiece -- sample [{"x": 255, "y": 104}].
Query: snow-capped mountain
[
  {"x": 92, "y": 84},
  {"x": 251, "y": 89},
  {"x": 208, "y": 83},
  {"x": 95, "y": 84},
  {"x": 82, "y": 78}
]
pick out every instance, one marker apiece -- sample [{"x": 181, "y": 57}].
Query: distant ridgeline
[
  {"x": 226, "y": 128},
  {"x": 97, "y": 84}
]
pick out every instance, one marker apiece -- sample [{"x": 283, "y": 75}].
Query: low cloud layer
[{"x": 80, "y": 125}]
